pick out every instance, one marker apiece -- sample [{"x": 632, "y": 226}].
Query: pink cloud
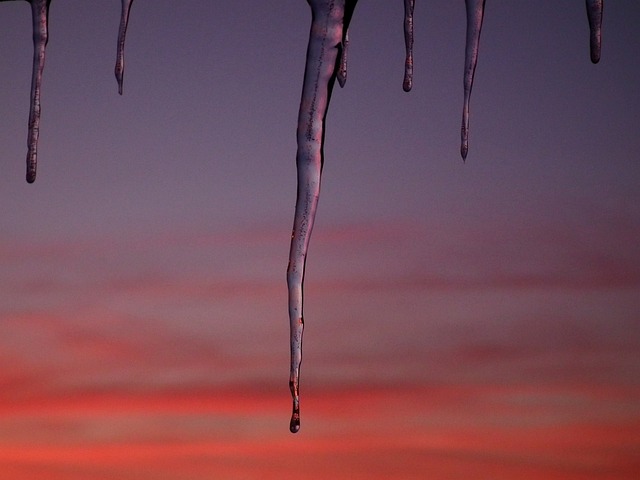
[
  {"x": 503, "y": 354},
  {"x": 452, "y": 432}
]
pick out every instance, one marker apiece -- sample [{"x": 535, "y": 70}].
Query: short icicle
[
  {"x": 408, "y": 42},
  {"x": 40, "y": 16},
  {"x": 594, "y": 12},
  {"x": 122, "y": 33},
  {"x": 344, "y": 47},
  {"x": 475, "y": 14},
  {"x": 344, "y": 52},
  {"x": 330, "y": 19}
]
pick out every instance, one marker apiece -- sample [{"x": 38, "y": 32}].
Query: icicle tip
[
  {"x": 119, "y": 78},
  {"x": 342, "y": 78},
  {"x": 294, "y": 425},
  {"x": 119, "y": 71},
  {"x": 594, "y": 13},
  {"x": 407, "y": 84}
]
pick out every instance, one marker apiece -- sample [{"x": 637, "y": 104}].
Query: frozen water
[
  {"x": 475, "y": 15},
  {"x": 594, "y": 13},
  {"x": 342, "y": 71},
  {"x": 408, "y": 42},
  {"x": 122, "y": 33},
  {"x": 40, "y": 20},
  {"x": 330, "y": 21},
  {"x": 40, "y": 17}
]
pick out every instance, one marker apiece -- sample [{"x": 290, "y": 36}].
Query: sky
[{"x": 463, "y": 320}]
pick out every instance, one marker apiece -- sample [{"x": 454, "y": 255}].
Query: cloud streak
[
  {"x": 461, "y": 354},
  {"x": 354, "y": 433}
]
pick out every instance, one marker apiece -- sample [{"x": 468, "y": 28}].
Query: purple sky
[{"x": 492, "y": 305}]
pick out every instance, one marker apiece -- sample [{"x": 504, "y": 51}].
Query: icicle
[
  {"x": 594, "y": 12},
  {"x": 122, "y": 33},
  {"x": 40, "y": 17},
  {"x": 344, "y": 47},
  {"x": 330, "y": 19},
  {"x": 475, "y": 14},
  {"x": 342, "y": 71},
  {"x": 408, "y": 42}
]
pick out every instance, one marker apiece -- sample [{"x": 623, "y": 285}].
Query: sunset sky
[{"x": 463, "y": 320}]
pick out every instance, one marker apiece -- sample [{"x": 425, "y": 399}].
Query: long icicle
[
  {"x": 408, "y": 43},
  {"x": 40, "y": 18},
  {"x": 122, "y": 33},
  {"x": 330, "y": 19},
  {"x": 594, "y": 13},
  {"x": 475, "y": 14}
]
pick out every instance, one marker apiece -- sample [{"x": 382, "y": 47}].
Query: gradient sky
[{"x": 463, "y": 320}]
